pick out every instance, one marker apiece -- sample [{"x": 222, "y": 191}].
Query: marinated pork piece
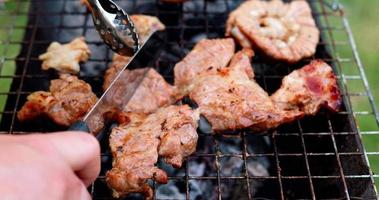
[
  {"x": 146, "y": 25},
  {"x": 65, "y": 58},
  {"x": 170, "y": 132},
  {"x": 118, "y": 62},
  {"x": 152, "y": 93},
  {"x": 149, "y": 92},
  {"x": 68, "y": 101},
  {"x": 283, "y": 31},
  {"x": 308, "y": 89},
  {"x": 230, "y": 100},
  {"x": 208, "y": 55}
]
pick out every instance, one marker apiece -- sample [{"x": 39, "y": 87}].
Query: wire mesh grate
[{"x": 319, "y": 157}]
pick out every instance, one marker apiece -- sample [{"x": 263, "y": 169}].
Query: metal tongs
[{"x": 114, "y": 26}]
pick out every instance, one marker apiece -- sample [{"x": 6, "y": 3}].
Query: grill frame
[{"x": 323, "y": 11}]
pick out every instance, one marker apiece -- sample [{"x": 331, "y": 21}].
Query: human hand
[{"x": 57, "y": 166}]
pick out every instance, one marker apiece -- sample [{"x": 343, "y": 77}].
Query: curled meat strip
[{"x": 283, "y": 31}]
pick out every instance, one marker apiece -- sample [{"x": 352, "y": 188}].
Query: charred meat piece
[
  {"x": 65, "y": 58},
  {"x": 68, "y": 100},
  {"x": 170, "y": 132},
  {"x": 283, "y": 31},
  {"x": 230, "y": 100},
  {"x": 308, "y": 89},
  {"x": 208, "y": 55}
]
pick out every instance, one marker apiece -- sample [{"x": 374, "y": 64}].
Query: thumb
[{"x": 81, "y": 151}]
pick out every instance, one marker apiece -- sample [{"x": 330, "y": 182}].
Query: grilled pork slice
[
  {"x": 118, "y": 62},
  {"x": 152, "y": 93},
  {"x": 230, "y": 100},
  {"x": 68, "y": 100},
  {"x": 65, "y": 58},
  {"x": 170, "y": 132},
  {"x": 308, "y": 89},
  {"x": 146, "y": 25},
  {"x": 283, "y": 31},
  {"x": 208, "y": 55}
]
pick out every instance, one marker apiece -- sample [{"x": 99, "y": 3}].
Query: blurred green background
[{"x": 363, "y": 18}]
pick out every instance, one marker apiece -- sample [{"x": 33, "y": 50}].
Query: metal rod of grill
[{"x": 320, "y": 157}]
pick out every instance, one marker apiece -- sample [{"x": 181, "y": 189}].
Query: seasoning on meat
[
  {"x": 208, "y": 55},
  {"x": 283, "y": 31},
  {"x": 308, "y": 89},
  {"x": 145, "y": 25},
  {"x": 65, "y": 58},
  {"x": 230, "y": 100},
  {"x": 152, "y": 93},
  {"x": 118, "y": 62},
  {"x": 68, "y": 100},
  {"x": 170, "y": 132}
]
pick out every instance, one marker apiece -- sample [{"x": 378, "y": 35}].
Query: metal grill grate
[{"x": 317, "y": 157}]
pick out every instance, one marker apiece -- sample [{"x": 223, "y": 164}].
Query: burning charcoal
[
  {"x": 197, "y": 170},
  {"x": 203, "y": 189},
  {"x": 170, "y": 191},
  {"x": 204, "y": 125}
]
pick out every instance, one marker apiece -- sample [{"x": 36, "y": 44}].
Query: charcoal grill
[{"x": 318, "y": 157}]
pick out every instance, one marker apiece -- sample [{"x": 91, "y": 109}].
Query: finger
[
  {"x": 77, "y": 190},
  {"x": 85, "y": 194},
  {"x": 81, "y": 151}
]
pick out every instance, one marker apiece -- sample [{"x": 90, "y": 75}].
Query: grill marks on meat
[
  {"x": 308, "y": 89},
  {"x": 68, "y": 100},
  {"x": 65, "y": 58},
  {"x": 283, "y": 31},
  {"x": 207, "y": 56},
  {"x": 169, "y": 132},
  {"x": 230, "y": 100}
]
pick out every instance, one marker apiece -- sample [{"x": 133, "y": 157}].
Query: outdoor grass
[
  {"x": 9, "y": 37},
  {"x": 363, "y": 18}
]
